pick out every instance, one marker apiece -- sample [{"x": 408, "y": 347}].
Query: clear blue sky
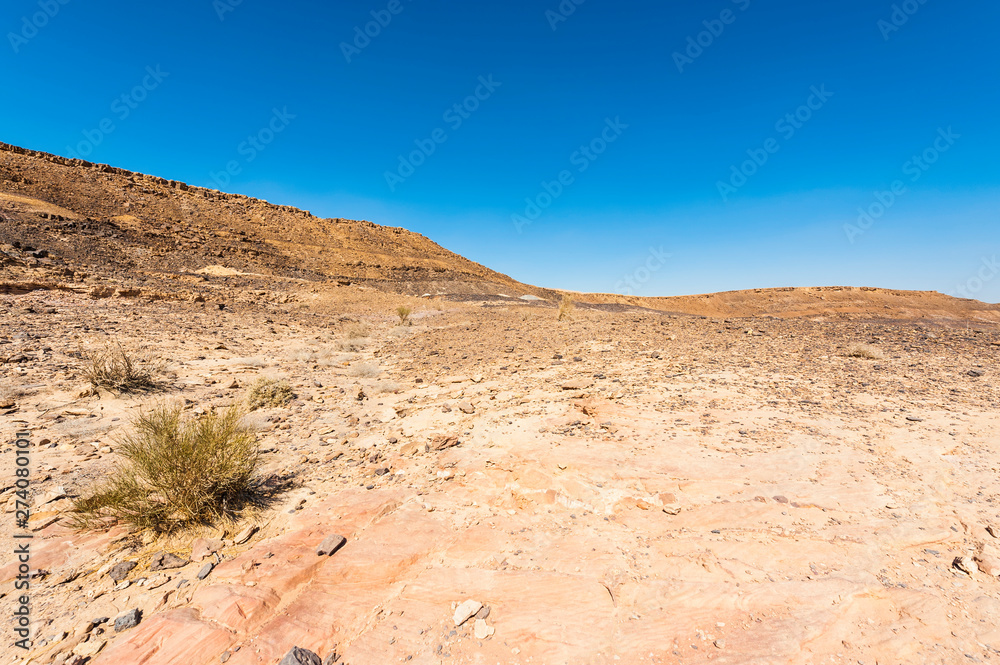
[{"x": 663, "y": 119}]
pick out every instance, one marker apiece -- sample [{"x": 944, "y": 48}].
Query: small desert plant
[
  {"x": 269, "y": 393},
  {"x": 864, "y": 351},
  {"x": 566, "y": 308},
  {"x": 355, "y": 330},
  {"x": 403, "y": 313},
  {"x": 176, "y": 472},
  {"x": 364, "y": 370},
  {"x": 118, "y": 370}
]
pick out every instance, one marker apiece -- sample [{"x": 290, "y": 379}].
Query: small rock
[
  {"x": 166, "y": 561},
  {"x": 466, "y": 407},
  {"x": 330, "y": 545},
  {"x": 914, "y": 419},
  {"x": 90, "y": 648},
  {"x": 719, "y": 644},
  {"x": 672, "y": 509},
  {"x": 121, "y": 570},
  {"x": 203, "y": 547},
  {"x": 226, "y": 655},
  {"x": 993, "y": 531},
  {"x": 299, "y": 656},
  {"x": 483, "y": 630},
  {"x": 205, "y": 570},
  {"x": 965, "y": 564},
  {"x": 988, "y": 564},
  {"x": 128, "y": 620},
  {"x": 244, "y": 535},
  {"x": 466, "y": 611},
  {"x": 331, "y": 658},
  {"x": 483, "y": 612},
  {"x": 577, "y": 384},
  {"x": 975, "y": 373}
]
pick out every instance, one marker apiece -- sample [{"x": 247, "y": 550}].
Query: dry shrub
[
  {"x": 326, "y": 356},
  {"x": 566, "y": 308},
  {"x": 120, "y": 371},
  {"x": 403, "y": 313},
  {"x": 364, "y": 370},
  {"x": 177, "y": 472},
  {"x": 865, "y": 351},
  {"x": 355, "y": 330},
  {"x": 380, "y": 387},
  {"x": 269, "y": 394}
]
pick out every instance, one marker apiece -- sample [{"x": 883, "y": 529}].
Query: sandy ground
[{"x": 623, "y": 487}]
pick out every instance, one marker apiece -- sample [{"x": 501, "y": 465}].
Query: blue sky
[{"x": 649, "y": 147}]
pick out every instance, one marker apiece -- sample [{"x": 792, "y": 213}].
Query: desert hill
[
  {"x": 102, "y": 217},
  {"x": 69, "y": 222}
]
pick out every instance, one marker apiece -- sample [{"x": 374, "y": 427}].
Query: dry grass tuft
[
  {"x": 403, "y": 313},
  {"x": 865, "y": 351},
  {"x": 120, "y": 371},
  {"x": 269, "y": 394},
  {"x": 364, "y": 370},
  {"x": 566, "y": 308},
  {"x": 177, "y": 472},
  {"x": 355, "y": 330}
]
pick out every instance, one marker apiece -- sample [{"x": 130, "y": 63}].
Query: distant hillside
[
  {"x": 70, "y": 216},
  {"x": 104, "y": 216}
]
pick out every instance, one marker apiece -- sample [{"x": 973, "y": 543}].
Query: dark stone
[
  {"x": 121, "y": 570},
  {"x": 205, "y": 570},
  {"x": 167, "y": 561},
  {"x": 331, "y": 658},
  {"x": 330, "y": 545},
  {"x": 300, "y": 656},
  {"x": 128, "y": 620}
]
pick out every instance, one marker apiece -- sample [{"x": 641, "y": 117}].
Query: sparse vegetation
[
  {"x": 566, "y": 308},
  {"x": 364, "y": 370},
  {"x": 403, "y": 313},
  {"x": 269, "y": 394},
  {"x": 176, "y": 472},
  {"x": 354, "y": 339},
  {"x": 355, "y": 330},
  {"x": 116, "y": 369},
  {"x": 865, "y": 351}
]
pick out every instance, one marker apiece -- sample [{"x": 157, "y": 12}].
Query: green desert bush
[
  {"x": 176, "y": 472},
  {"x": 116, "y": 369},
  {"x": 403, "y": 313},
  {"x": 269, "y": 394}
]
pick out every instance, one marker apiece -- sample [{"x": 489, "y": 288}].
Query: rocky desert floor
[{"x": 622, "y": 487}]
